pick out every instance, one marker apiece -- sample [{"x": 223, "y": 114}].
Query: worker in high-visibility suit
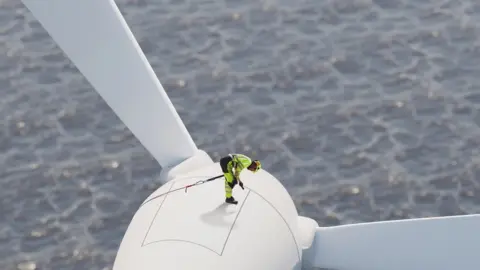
[{"x": 232, "y": 165}]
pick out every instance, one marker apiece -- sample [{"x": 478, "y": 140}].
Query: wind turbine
[{"x": 196, "y": 230}]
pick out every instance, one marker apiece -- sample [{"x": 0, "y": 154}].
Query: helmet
[{"x": 255, "y": 166}]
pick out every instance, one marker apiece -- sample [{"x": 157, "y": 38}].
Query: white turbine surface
[{"x": 197, "y": 230}]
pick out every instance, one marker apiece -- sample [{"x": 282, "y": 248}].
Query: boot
[{"x": 231, "y": 200}]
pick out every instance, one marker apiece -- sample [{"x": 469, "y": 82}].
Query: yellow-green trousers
[
  {"x": 229, "y": 184},
  {"x": 230, "y": 180}
]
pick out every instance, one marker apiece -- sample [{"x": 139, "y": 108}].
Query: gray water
[{"x": 365, "y": 111}]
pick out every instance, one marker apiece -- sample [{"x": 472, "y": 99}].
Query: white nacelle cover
[{"x": 198, "y": 230}]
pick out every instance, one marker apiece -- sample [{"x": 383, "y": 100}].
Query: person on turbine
[{"x": 232, "y": 165}]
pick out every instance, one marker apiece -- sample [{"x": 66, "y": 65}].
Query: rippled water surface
[{"x": 365, "y": 110}]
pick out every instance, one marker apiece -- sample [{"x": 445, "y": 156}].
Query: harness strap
[{"x": 234, "y": 163}]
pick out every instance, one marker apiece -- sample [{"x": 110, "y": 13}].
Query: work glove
[{"x": 241, "y": 184}]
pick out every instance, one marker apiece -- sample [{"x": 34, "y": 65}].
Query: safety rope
[{"x": 184, "y": 187}]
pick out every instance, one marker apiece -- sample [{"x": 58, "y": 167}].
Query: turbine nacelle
[{"x": 198, "y": 230}]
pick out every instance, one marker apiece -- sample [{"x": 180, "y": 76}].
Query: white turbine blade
[
  {"x": 443, "y": 243},
  {"x": 95, "y": 36}
]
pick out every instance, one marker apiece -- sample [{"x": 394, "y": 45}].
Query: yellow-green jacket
[{"x": 237, "y": 164}]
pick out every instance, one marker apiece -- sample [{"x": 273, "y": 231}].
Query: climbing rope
[{"x": 184, "y": 187}]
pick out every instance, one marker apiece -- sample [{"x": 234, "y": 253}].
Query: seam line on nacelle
[
  {"x": 185, "y": 241},
  {"x": 154, "y": 217},
  {"x": 286, "y": 223},
  {"x": 231, "y": 228},
  {"x": 233, "y": 224}
]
